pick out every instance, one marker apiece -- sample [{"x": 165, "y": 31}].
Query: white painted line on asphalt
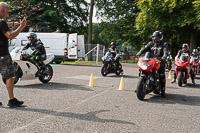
[{"x": 57, "y": 112}]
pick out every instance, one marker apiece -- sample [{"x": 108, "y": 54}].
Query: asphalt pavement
[{"x": 68, "y": 105}]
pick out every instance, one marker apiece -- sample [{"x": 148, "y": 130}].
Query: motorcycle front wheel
[
  {"x": 119, "y": 70},
  {"x": 141, "y": 92},
  {"x": 104, "y": 70},
  {"x": 18, "y": 74},
  {"x": 47, "y": 74},
  {"x": 180, "y": 78}
]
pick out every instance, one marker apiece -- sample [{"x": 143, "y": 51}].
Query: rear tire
[
  {"x": 180, "y": 78},
  {"x": 47, "y": 75},
  {"x": 140, "y": 88}
]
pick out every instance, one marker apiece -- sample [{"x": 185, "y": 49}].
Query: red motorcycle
[
  {"x": 194, "y": 61},
  {"x": 149, "y": 76},
  {"x": 182, "y": 68}
]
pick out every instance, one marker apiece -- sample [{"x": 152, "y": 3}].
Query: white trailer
[{"x": 64, "y": 46}]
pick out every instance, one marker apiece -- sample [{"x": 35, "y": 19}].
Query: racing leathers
[
  {"x": 115, "y": 55},
  {"x": 159, "y": 50},
  {"x": 38, "y": 50}
]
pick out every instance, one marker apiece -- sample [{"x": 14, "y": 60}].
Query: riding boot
[
  {"x": 193, "y": 82},
  {"x": 163, "y": 92},
  {"x": 162, "y": 84},
  {"x": 174, "y": 79},
  {"x": 42, "y": 66}
]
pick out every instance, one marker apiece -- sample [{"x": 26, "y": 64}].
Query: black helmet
[
  {"x": 157, "y": 36},
  {"x": 112, "y": 43}
]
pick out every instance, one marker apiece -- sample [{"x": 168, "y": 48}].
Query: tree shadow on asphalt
[
  {"x": 90, "y": 116},
  {"x": 125, "y": 76},
  {"x": 175, "y": 99},
  {"x": 55, "y": 86},
  {"x": 189, "y": 85}
]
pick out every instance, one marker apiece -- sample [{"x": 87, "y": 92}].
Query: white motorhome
[{"x": 64, "y": 46}]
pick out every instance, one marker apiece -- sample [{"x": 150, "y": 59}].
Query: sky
[{"x": 94, "y": 19}]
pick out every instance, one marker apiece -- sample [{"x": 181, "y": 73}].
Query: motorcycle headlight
[{"x": 144, "y": 66}]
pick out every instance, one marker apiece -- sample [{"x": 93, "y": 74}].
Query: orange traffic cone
[
  {"x": 91, "y": 81},
  {"x": 121, "y": 86},
  {"x": 170, "y": 75}
]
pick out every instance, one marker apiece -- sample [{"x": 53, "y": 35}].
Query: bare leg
[{"x": 10, "y": 86}]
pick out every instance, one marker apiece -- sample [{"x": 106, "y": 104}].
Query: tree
[
  {"x": 51, "y": 15},
  {"x": 90, "y": 30},
  {"x": 119, "y": 20},
  {"x": 176, "y": 19},
  {"x": 96, "y": 30}
]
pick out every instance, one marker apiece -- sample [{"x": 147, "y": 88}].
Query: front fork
[{"x": 152, "y": 81}]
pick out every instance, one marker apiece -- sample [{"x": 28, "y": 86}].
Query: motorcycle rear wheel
[
  {"x": 140, "y": 88},
  {"x": 47, "y": 75}
]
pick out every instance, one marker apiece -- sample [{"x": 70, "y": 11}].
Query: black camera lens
[{"x": 21, "y": 17}]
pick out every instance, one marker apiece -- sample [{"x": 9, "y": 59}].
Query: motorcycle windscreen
[
  {"x": 147, "y": 57},
  {"x": 183, "y": 58}
]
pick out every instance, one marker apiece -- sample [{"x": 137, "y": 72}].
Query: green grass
[
  {"x": 94, "y": 62},
  {"x": 82, "y": 62},
  {"x": 129, "y": 61}
]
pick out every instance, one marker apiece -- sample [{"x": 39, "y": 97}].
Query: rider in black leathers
[
  {"x": 159, "y": 49},
  {"x": 185, "y": 49},
  {"x": 38, "y": 48},
  {"x": 115, "y": 53}
]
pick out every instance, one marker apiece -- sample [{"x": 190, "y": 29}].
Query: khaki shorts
[{"x": 7, "y": 69}]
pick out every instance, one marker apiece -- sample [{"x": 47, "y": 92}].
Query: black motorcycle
[{"x": 110, "y": 65}]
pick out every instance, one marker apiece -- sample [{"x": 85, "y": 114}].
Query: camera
[{"x": 21, "y": 17}]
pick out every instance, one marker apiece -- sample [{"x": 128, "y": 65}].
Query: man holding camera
[{"x": 7, "y": 69}]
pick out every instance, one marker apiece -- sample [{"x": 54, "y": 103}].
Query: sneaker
[
  {"x": 173, "y": 81},
  {"x": 14, "y": 103}
]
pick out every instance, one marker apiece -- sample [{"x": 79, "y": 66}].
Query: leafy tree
[
  {"x": 175, "y": 18},
  {"x": 51, "y": 15},
  {"x": 96, "y": 30},
  {"x": 119, "y": 16}
]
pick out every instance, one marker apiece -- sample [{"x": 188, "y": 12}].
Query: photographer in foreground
[{"x": 7, "y": 69}]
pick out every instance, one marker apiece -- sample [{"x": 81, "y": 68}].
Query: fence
[{"x": 98, "y": 51}]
